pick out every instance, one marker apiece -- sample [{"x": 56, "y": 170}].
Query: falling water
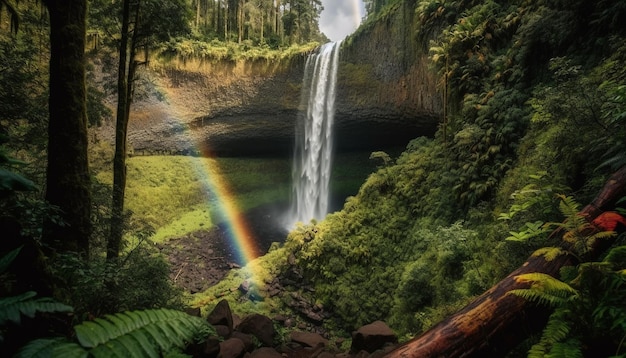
[{"x": 314, "y": 138}]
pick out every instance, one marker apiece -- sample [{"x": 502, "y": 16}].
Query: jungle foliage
[{"x": 535, "y": 108}]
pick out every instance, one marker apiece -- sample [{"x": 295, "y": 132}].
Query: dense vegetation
[
  {"x": 55, "y": 214},
  {"x": 535, "y": 106}
]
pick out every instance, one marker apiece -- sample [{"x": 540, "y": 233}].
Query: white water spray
[{"x": 314, "y": 137}]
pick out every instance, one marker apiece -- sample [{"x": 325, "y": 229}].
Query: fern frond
[
  {"x": 568, "y": 349},
  {"x": 569, "y": 207},
  {"x": 557, "y": 328},
  {"x": 53, "y": 347},
  {"x": 603, "y": 235},
  {"x": 544, "y": 289},
  {"x": 12, "y": 308},
  {"x": 617, "y": 257},
  {"x": 138, "y": 333},
  {"x": 549, "y": 253},
  {"x": 7, "y": 259},
  {"x": 554, "y": 340}
]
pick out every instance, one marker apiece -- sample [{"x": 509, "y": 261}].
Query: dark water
[{"x": 266, "y": 223}]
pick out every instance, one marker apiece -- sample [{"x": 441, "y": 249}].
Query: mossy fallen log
[{"x": 496, "y": 321}]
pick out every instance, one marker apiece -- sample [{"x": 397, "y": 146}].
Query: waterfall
[{"x": 314, "y": 137}]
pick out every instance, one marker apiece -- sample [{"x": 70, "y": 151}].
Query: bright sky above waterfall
[{"x": 341, "y": 17}]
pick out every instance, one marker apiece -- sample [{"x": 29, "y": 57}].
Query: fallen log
[{"x": 496, "y": 322}]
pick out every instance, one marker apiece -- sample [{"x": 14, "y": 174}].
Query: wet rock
[{"x": 244, "y": 287}]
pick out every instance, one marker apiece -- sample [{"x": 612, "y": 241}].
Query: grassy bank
[{"x": 178, "y": 195}]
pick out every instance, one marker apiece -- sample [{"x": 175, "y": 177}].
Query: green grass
[{"x": 176, "y": 194}]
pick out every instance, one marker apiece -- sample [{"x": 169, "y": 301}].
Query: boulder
[
  {"x": 246, "y": 339},
  {"x": 372, "y": 337},
  {"x": 266, "y": 352},
  {"x": 221, "y": 315},
  {"x": 232, "y": 348},
  {"x": 308, "y": 339},
  {"x": 259, "y": 326}
]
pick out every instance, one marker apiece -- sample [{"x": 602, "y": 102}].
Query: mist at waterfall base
[{"x": 313, "y": 150}]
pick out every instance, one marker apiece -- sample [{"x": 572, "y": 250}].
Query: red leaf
[{"x": 609, "y": 220}]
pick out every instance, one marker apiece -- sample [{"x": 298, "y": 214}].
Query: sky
[{"x": 340, "y": 18}]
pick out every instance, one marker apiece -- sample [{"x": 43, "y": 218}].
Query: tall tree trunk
[
  {"x": 197, "y": 22},
  {"x": 262, "y": 25},
  {"x": 240, "y": 22},
  {"x": 121, "y": 125},
  {"x": 496, "y": 321},
  {"x": 67, "y": 181}
]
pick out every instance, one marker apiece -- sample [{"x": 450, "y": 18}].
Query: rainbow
[
  {"x": 358, "y": 10},
  {"x": 242, "y": 241}
]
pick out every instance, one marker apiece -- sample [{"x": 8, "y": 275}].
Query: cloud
[{"x": 340, "y": 18}]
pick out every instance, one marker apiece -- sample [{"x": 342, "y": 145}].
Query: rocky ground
[{"x": 202, "y": 259}]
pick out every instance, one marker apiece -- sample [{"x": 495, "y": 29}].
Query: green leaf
[
  {"x": 10, "y": 181},
  {"x": 138, "y": 333},
  {"x": 12, "y": 308},
  {"x": 549, "y": 253},
  {"x": 90, "y": 334},
  {"x": 6, "y": 260},
  {"x": 55, "y": 347}
]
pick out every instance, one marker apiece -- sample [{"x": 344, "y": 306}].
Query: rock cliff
[{"x": 386, "y": 96}]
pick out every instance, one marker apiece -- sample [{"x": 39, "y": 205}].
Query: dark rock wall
[
  {"x": 386, "y": 91},
  {"x": 386, "y": 96}
]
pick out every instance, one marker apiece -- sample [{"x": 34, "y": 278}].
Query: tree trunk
[
  {"x": 67, "y": 181},
  {"x": 119, "y": 159},
  {"x": 496, "y": 321}
]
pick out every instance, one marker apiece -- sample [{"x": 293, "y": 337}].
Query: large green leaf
[
  {"x": 147, "y": 333},
  {"x": 12, "y": 308},
  {"x": 55, "y": 347}
]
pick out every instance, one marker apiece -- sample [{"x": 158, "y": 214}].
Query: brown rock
[
  {"x": 221, "y": 315},
  {"x": 326, "y": 355},
  {"x": 232, "y": 348},
  {"x": 308, "y": 339},
  {"x": 223, "y": 331},
  {"x": 259, "y": 326},
  {"x": 372, "y": 337},
  {"x": 246, "y": 339},
  {"x": 266, "y": 352}
]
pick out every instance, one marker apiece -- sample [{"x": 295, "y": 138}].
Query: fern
[
  {"x": 52, "y": 347},
  {"x": 148, "y": 333},
  {"x": 617, "y": 256},
  {"x": 589, "y": 305},
  {"x": 579, "y": 232},
  {"x": 7, "y": 259},
  {"x": 12, "y": 308},
  {"x": 556, "y": 331},
  {"x": 549, "y": 253},
  {"x": 545, "y": 289}
]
